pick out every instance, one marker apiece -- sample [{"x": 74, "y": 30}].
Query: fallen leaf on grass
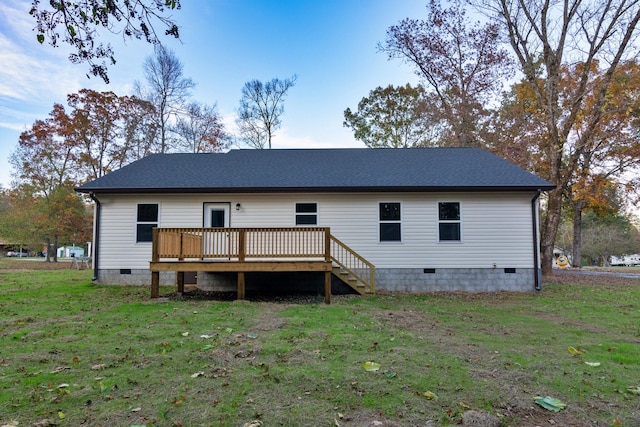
[
  {"x": 371, "y": 366},
  {"x": 464, "y": 405},
  {"x": 550, "y": 403},
  {"x": 59, "y": 369},
  {"x": 429, "y": 395},
  {"x": 61, "y": 415},
  {"x": 634, "y": 389},
  {"x": 197, "y": 374},
  {"x": 592, "y": 363},
  {"x": 206, "y": 336},
  {"x": 575, "y": 351},
  {"x": 185, "y": 334},
  {"x": 99, "y": 367},
  {"x": 138, "y": 409}
]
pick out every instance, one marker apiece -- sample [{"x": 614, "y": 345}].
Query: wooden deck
[{"x": 242, "y": 250}]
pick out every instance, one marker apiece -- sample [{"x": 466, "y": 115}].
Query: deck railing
[
  {"x": 241, "y": 244},
  {"x": 354, "y": 264},
  {"x": 261, "y": 244}
]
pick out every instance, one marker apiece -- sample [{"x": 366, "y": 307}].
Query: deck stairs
[
  {"x": 351, "y": 268},
  {"x": 356, "y": 284}
]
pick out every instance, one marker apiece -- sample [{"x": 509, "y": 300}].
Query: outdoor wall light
[{"x": 237, "y": 206}]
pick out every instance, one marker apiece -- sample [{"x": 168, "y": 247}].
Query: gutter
[
  {"x": 96, "y": 236},
  {"x": 537, "y": 273}
]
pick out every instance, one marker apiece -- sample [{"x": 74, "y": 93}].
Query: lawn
[{"x": 73, "y": 353}]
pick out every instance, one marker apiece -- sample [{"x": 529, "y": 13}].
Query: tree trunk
[
  {"x": 48, "y": 258},
  {"x": 550, "y": 230},
  {"x": 55, "y": 248},
  {"x": 577, "y": 234}
]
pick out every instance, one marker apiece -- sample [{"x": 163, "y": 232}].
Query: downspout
[
  {"x": 96, "y": 236},
  {"x": 537, "y": 279}
]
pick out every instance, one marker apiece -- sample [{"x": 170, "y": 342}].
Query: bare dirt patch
[
  {"x": 17, "y": 265},
  {"x": 513, "y": 389}
]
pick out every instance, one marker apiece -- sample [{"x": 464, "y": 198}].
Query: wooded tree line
[
  {"x": 551, "y": 86},
  {"x": 98, "y": 132}
]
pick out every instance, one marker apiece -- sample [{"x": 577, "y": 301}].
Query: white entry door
[
  {"x": 217, "y": 244},
  {"x": 216, "y": 215}
]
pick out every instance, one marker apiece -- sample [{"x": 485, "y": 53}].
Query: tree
[
  {"x": 201, "y": 129},
  {"x": 167, "y": 90},
  {"x": 261, "y": 109},
  {"x": 101, "y": 132},
  {"x": 77, "y": 22},
  {"x": 460, "y": 61},
  {"x": 45, "y": 158},
  {"x": 396, "y": 117},
  {"x": 607, "y": 236},
  {"x": 94, "y": 131},
  {"x": 547, "y": 36},
  {"x": 31, "y": 218},
  {"x": 138, "y": 128}
]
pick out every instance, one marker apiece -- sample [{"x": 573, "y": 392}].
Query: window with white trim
[
  {"x": 146, "y": 220},
  {"x": 306, "y": 214},
  {"x": 449, "y": 223},
  {"x": 390, "y": 223}
]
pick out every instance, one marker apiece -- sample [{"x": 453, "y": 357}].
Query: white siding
[{"x": 496, "y": 227}]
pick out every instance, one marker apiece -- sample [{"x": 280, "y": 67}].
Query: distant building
[{"x": 70, "y": 251}]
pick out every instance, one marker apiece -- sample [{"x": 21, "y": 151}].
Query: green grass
[{"x": 76, "y": 354}]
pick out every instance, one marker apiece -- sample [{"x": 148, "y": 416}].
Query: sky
[{"x": 330, "y": 45}]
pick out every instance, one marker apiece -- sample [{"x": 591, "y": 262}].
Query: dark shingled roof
[{"x": 320, "y": 170}]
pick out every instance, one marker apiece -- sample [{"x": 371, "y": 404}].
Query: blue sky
[{"x": 329, "y": 44}]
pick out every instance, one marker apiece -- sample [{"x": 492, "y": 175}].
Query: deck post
[
  {"x": 155, "y": 284},
  {"x": 155, "y": 250},
  {"x": 327, "y": 287},
  {"x": 241, "y": 285},
  {"x": 327, "y": 258},
  {"x": 180, "y": 282},
  {"x": 327, "y": 244},
  {"x": 242, "y": 243}
]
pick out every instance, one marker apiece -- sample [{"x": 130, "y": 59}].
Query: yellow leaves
[
  {"x": 371, "y": 366},
  {"x": 575, "y": 351},
  {"x": 430, "y": 395}
]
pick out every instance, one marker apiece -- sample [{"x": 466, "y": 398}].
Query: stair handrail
[{"x": 369, "y": 282}]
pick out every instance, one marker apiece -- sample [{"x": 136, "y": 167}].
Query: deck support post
[
  {"x": 241, "y": 285},
  {"x": 180, "y": 282},
  {"x": 155, "y": 284},
  {"x": 327, "y": 287}
]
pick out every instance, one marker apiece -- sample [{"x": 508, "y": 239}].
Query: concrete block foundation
[{"x": 410, "y": 280}]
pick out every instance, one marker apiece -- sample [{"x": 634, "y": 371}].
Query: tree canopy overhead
[{"x": 76, "y": 23}]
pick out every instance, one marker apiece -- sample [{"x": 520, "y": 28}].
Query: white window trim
[
  {"x": 449, "y": 221},
  {"x": 295, "y": 214},
  {"x": 400, "y": 221},
  {"x": 136, "y": 222}
]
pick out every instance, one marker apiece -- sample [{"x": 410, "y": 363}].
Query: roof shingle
[{"x": 319, "y": 170}]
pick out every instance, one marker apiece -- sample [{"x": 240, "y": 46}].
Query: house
[
  {"x": 416, "y": 220},
  {"x": 70, "y": 251}
]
